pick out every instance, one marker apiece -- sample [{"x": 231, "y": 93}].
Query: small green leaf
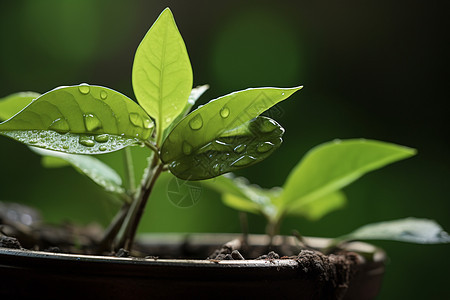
[
  {"x": 227, "y": 184},
  {"x": 320, "y": 207},
  {"x": 241, "y": 204},
  {"x": 96, "y": 170},
  {"x": 235, "y": 149},
  {"x": 162, "y": 74},
  {"x": 334, "y": 165},
  {"x": 239, "y": 194},
  {"x": 222, "y": 117},
  {"x": 12, "y": 104},
  {"x": 80, "y": 119},
  {"x": 413, "y": 230}
]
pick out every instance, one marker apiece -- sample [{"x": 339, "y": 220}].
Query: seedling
[
  {"x": 224, "y": 135},
  {"x": 68, "y": 124},
  {"x": 314, "y": 189}
]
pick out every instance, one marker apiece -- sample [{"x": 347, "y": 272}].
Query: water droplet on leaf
[
  {"x": 84, "y": 88},
  {"x": 101, "y": 138},
  {"x": 187, "y": 148},
  {"x": 103, "y": 95},
  {"x": 243, "y": 161},
  {"x": 225, "y": 112},
  {"x": 264, "y": 147},
  {"x": 216, "y": 168},
  {"x": 148, "y": 124},
  {"x": 86, "y": 141},
  {"x": 66, "y": 147},
  {"x": 102, "y": 148},
  {"x": 91, "y": 122},
  {"x": 60, "y": 125},
  {"x": 196, "y": 122},
  {"x": 240, "y": 148},
  {"x": 136, "y": 119},
  {"x": 268, "y": 125}
]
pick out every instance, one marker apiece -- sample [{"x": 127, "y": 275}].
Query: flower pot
[{"x": 351, "y": 275}]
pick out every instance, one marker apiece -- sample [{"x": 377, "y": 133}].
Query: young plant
[
  {"x": 224, "y": 135},
  {"x": 314, "y": 189}
]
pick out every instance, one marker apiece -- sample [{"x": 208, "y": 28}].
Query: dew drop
[
  {"x": 60, "y": 125},
  {"x": 225, "y": 112},
  {"x": 101, "y": 138},
  {"x": 282, "y": 94},
  {"x": 32, "y": 141},
  {"x": 168, "y": 120},
  {"x": 243, "y": 161},
  {"x": 103, "y": 95},
  {"x": 268, "y": 125},
  {"x": 240, "y": 148},
  {"x": 136, "y": 119},
  {"x": 187, "y": 148},
  {"x": 66, "y": 147},
  {"x": 91, "y": 122},
  {"x": 264, "y": 147},
  {"x": 84, "y": 88},
  {"x": 102, "y": 148},
  {"x": 148, "y": 124},
  {"x": 216, "y": 168},
  {"x": 196, "y": 122},
  {"x": 86, "y": 141}
]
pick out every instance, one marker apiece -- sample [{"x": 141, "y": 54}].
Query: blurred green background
[{"x": 373, "y": 69}]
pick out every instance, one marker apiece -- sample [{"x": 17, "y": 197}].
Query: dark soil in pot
[{"x": 188, "y": 266}]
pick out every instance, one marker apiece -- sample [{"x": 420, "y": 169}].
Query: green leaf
[
  {"x": 239, "y": 194},
  {"x": 235, "y": 149},
  {"x": 241, "y": 204},
  {"x": 331, "y": 166},
  {"x": 12, "y": 104},
  {"x": 96, "y": 170},
  {"x": 202, "y": 130},
  {"x": 227, "y": 184},
  {"x": 413, "y": 230},
  {"x": 80, "y": 119},
  {"x": 162, "y": 74},
  {"x": 320, "y": 207}
]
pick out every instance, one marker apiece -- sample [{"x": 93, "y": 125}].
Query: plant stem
[
  {"x": 140, "y": 203},
  {"x": 112, "y": 230},
  {"x": 129, "y": 170}
]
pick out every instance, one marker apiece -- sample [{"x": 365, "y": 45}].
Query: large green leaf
[
  {"x": 96, "y": 170},
  {"x": 12, "y": 104},
  {"x": 80, "y": 119},
  {"x": 224, "y": 120},
  {"x": 318, "y": 208},
  {"x": 413, "y": 230},
  {"x": 235, "y": 149},
  {"x": 162, "y": 74},
  {"x": 331, "y": 166}
]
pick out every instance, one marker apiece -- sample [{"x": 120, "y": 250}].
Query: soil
[{"x": 22, "y": 228}]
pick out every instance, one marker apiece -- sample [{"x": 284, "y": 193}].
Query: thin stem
[
  {"x": 152, "y": 146},
  {"x": 129, "y": 170},
  {"x": 113, "y": 229},
  {"x": 244, "y": 226},
  {"x": 141, "y": 202}
]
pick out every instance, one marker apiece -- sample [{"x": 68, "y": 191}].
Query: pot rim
[{"x": 377, "y": 254}]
